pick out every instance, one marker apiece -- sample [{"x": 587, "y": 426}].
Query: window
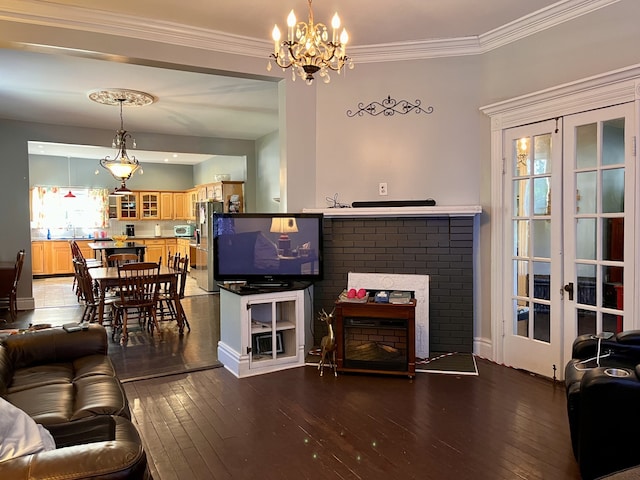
[{"x": 88, "y": 210}]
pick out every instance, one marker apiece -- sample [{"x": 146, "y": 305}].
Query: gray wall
[{"x": 52, "y": 171}]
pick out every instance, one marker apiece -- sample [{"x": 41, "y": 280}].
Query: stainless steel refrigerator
[{"x": 204, "y": 249}]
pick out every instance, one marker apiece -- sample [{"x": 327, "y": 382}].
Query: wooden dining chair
[
  {"x": 166, "y": 300},
  {"x": 89, "y": 297},
  {"x": 117, "y": 259},
  {"x": 138, "y": 285},
  {"x": 76, "y": 254},
  {"x": 9, "y": 287}
]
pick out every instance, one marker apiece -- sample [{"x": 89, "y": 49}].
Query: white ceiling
[{"x": 52, "y": 88}]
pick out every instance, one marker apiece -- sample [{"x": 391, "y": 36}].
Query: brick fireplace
[{"x": 434, "y": 241}]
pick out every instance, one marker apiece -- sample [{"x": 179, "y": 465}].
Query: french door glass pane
[
  {"x": 521, "y": 327},
  {"x": 612, "y": 288},
  {"x": 611, "y": 323},
  {"x": 586, "y": 186},
  {"x": 613, "y": 190},
  {"x": 613, "y": 239},
  {"x": 542, "y": 196},
  {"x": 613, "y": 142},
  {"x": 542, "y": 322},
  {"x": 586, "y": 238},
  {"x": 586, "y": 146},
  {"x": 521, "y": 274},
  {"x": 586, "y": 288},
  {"x": 521, "y": 198},
  {"x": 521, "y": 238},
  {"x": 520, "y": 161},
  {"x": 586, "y": 321},
  {"x": 542, "y": 158},
  {"x": 541, "y": 236},
  {"x": 541, "y": 280}
]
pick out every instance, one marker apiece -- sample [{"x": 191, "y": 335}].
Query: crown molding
[
  {"x": 598, "y": 91},
  {"x": 536, "y": 22},
  {"x": 48, "y": 14}
]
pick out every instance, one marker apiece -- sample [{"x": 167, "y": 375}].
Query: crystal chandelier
[
  {"x": 122, "y": 167},
  {"x": 308, "y": 49}
]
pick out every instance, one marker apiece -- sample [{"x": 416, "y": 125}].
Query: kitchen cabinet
[
  {"x": 193, "y": 204},
  {"x": 149, "y": 205},
  {"x": 183, "y": 248},
  {"x": 156, "y": 251},
  {"x": 180, "y": 205},
  {"x": 113, "y": 206},
  {"x": 37, "y": 258},
  {"x": 231, "y": 193},
  {"x": 167, "y": 210},
  {"x": 171, "y": 247},
  {"x": 61, "y": 258},
  {"x": 261, "y": 332},
  {"x": 128, "y": 206},
  {"x": 53, "y": 257}
]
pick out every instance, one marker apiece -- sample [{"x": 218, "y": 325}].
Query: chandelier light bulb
[
  {"x": 291, "y": 19},
  {"x": 344, "y": 37},
  {"x": 335, "y": 21},
  {"x": 275, "y": 34}
]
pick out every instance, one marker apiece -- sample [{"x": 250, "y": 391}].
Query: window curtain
[{"x": 100, "y": 198}]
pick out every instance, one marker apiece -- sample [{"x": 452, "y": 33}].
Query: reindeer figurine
[{"x": 328, "y": 344}]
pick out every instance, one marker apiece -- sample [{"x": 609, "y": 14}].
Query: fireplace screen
[{"x": 375, "y": 343}]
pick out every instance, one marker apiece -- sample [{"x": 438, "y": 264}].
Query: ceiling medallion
[{"x": 121, "y": 96}]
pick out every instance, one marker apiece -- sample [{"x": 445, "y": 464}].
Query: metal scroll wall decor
[{"x": 389, "y": 107}]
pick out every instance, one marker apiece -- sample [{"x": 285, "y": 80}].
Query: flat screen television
[{"x": 267, "y": 249}]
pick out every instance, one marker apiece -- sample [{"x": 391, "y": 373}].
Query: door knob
[{"x": 569, "y": 289}]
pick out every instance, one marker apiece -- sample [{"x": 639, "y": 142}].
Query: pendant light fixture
[
  {"x": 70, "y": 194},
  {"x": 122, "y": 166}
]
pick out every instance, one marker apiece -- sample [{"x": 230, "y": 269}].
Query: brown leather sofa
[{"x": 66, "y": 382}]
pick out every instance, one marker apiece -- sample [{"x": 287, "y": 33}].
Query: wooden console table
[{"x": 376, "y": 338}]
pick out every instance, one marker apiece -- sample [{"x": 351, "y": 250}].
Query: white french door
[
  {"x": 599, "y": 258},
  {"x": 568, "y": 191},
  {"x": 533, "y": 241}
]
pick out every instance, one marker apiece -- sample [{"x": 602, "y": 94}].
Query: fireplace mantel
[{"x": 437, "y": 211}]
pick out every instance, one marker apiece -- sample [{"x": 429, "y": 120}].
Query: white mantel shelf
[{"x": 436, "y": 211}]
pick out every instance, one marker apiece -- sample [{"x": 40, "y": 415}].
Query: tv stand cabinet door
[{"x": 262, "y": 332}]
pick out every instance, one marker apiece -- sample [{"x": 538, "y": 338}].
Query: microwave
[{"x": 184, "y": 230}]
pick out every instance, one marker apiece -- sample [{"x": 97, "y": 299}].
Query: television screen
[{"x": 267, "y": 248}]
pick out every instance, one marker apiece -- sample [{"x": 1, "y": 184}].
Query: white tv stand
[{"x": 261, "y": 329}]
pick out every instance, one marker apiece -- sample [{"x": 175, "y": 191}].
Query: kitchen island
[{"x": 102, "y": 250}]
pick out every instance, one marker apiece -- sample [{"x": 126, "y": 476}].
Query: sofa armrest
[
  {"x": 105, "y": 460},
  {"x": 122, "y": 458},
  {"x": 55, "y": 345}
]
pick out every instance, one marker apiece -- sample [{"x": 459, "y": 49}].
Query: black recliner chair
[{"x": 603, "y": 401}]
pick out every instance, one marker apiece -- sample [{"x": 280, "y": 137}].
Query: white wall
[{"x": 418, "y": 155}]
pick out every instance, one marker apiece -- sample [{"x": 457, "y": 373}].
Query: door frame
[{"x": 604, "y": 90}]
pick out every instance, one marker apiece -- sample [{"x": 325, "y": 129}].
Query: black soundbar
[{"x": 429, "y": 202}]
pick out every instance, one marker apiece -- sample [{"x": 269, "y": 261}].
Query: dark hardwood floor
[{"x": 294, "y": 424}]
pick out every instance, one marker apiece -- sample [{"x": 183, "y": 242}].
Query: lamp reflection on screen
[{"x": 284, "y": 226}]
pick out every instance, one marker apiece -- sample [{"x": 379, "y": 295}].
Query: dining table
[{"x": 107, "y": 277}]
